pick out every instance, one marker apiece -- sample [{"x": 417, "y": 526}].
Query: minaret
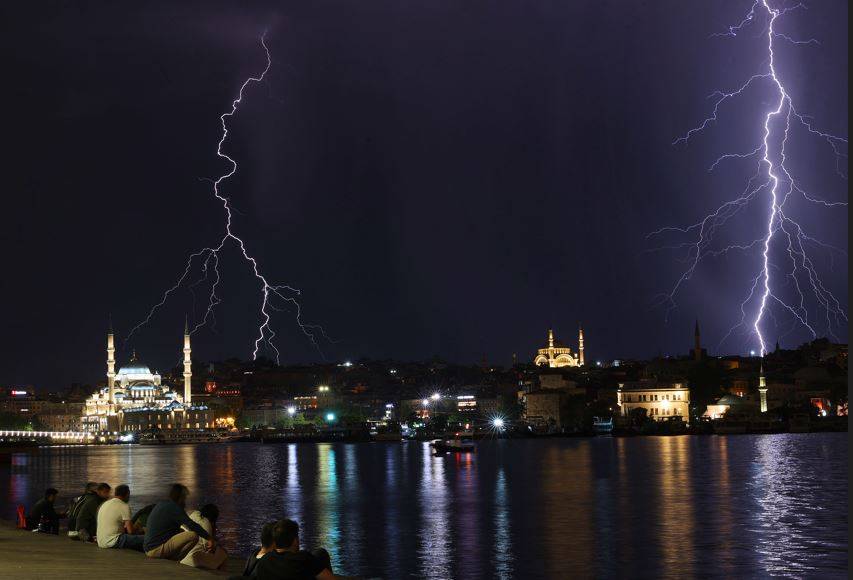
[
  {"x": 111, "y": 364},
  {"x": 550, "y": 338},
  {"x": 697, "y": 348},
  {"x": 188, "y": 365},
  {"x": 580, "y": 345},
  {"x": 762, "y": 388}
]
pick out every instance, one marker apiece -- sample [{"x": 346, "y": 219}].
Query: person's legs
[
  {"x": 128, "y": 542},
  {"x": 176, "y": 548},
  {"x": 53, "y": 524},
  {"x": 323, "y": 556},
  {"x": 206, "y": 560}
]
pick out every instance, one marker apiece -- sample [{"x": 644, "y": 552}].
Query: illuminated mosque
[
  {"x": 557, "y": 355},
  {"x": 136, "y": 400}
]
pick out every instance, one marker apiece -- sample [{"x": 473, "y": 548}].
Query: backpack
[{"x": 73, "y": 511}]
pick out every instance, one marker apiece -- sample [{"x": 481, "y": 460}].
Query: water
[{"x": 738, "y": 506}]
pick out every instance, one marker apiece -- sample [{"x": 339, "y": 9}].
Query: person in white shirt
[
  {"x": 201, "y": 556},
  {"x": 115, "y": 529}
]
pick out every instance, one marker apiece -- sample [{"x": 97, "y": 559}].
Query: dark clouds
[{"x": 438, "y": 178}]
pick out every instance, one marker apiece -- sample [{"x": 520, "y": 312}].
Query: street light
[
  {"x": 425, "y": 402},
  {"x": 291, "y": 411},
  {"x": 330, "y": 417},
  {"x": 435, "y": 396},
  {"x": 498, "y": 423}
]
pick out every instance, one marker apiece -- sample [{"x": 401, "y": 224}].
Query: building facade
[
  {"x": 135, "y": 398},
  {"x": 661, "y": 402},
  {"x": 556, "y": 354},
  {"x": 545, "y": 409}
]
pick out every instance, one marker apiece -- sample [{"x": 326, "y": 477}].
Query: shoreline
[
  {"x": 8, "y": 450},
  {"x": 25, "y": 554}
]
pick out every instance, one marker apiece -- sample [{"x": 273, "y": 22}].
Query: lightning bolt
[
  {"x": 773, "y": 183},
  {"x": 208, "y": 258}
]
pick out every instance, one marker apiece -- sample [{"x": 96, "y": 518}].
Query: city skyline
[{"x": 392, "y": 190}]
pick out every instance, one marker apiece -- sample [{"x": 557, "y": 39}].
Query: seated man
[
  {"x": 87, "y": 514},
  {"x": 267, "y": 544},
  {"x": 43, "y": 517},
  {"x": 288, "y": 562},
  {"x": 140, "y": 519},
  {"x": 163, "y": 535},
  {"x": 74, "y": 508},
  {"x": 114, "y": 527},
  {"x": 199, "y": 556}
]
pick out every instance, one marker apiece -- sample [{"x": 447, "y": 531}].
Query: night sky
[{"x": 438, "y": 178}]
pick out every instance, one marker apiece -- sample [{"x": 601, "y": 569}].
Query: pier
[{"x": 47, "y": 557}]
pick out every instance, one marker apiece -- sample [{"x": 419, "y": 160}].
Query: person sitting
[
  {"x": 74, "y": 508},
  {"x": 140, "y": 519},
  {"x": 113, "y": 523},
  {"x": 288, "y": 562},
  {"x": 267, "y": 544},
  {"x": 43, "y": 517},
  {"x": 199, "y": 556},
  {"x": 87, "y": 514},
  {"x": 163, "y": 535}
]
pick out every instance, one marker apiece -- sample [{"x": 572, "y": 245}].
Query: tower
[
  {"x": 580, "y": 345},
  {"x": 188, "y": 365},
  {"x": 697, "y": 347},
  {"x": 762, "y": 388},
  {"x": 550, "y": 338},
  {"x": 111, "y": 364}
]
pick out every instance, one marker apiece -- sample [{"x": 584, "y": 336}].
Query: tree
[{"x": 14, "y": 422}]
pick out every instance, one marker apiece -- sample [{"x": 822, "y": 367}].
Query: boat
[
  {"x": 454, "y": 446},
  {"x": 602, "y": 426}
]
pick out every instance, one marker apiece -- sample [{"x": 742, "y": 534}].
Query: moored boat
[
  {"x": 454, "y": 446},
  {"x": 602, "y": 426}
]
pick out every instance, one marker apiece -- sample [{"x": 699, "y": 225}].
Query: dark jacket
[
  {"x": 42, "y": 511},
  {"x": 87, "y": 513},
  {"x": 73, "y": 510},
  {"x": 164, "y": 521},
  {"x": 251, "y": 564}
]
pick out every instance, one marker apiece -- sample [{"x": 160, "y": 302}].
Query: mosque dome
[{"x": 134, "y": 367}]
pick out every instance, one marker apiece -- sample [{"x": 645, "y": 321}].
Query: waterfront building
[
  {"x": 21, "y": 402},
  {"x": 61, "y": 417},
  {"x": 556, "y": 354},
  {"x": 545, "y": 410},
  {"x": 661, "y": 401},
  {"x": 558, "y": 380},
  {"x": 135, "y": 399},
  {"x": 738, "y": 405}
]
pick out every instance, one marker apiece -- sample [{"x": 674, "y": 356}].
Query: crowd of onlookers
[{"x": 165, "y": 530}]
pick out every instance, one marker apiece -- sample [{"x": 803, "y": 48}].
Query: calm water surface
[{"x": 738, "y": 506}]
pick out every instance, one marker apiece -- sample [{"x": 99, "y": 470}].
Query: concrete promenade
[{"x": 25, "y": 555}]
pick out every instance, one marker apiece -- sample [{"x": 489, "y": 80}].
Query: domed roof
[
  {"x": 134, "y": 367},
  {"x": 730, "y": 400}
]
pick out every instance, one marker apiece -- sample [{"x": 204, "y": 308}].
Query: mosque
[
  {"x": 557, "y": 355},
  {"x": 136, "y": 400}
]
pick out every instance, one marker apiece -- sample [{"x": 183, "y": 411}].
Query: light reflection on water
[{"x": 653, "y": 506}]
